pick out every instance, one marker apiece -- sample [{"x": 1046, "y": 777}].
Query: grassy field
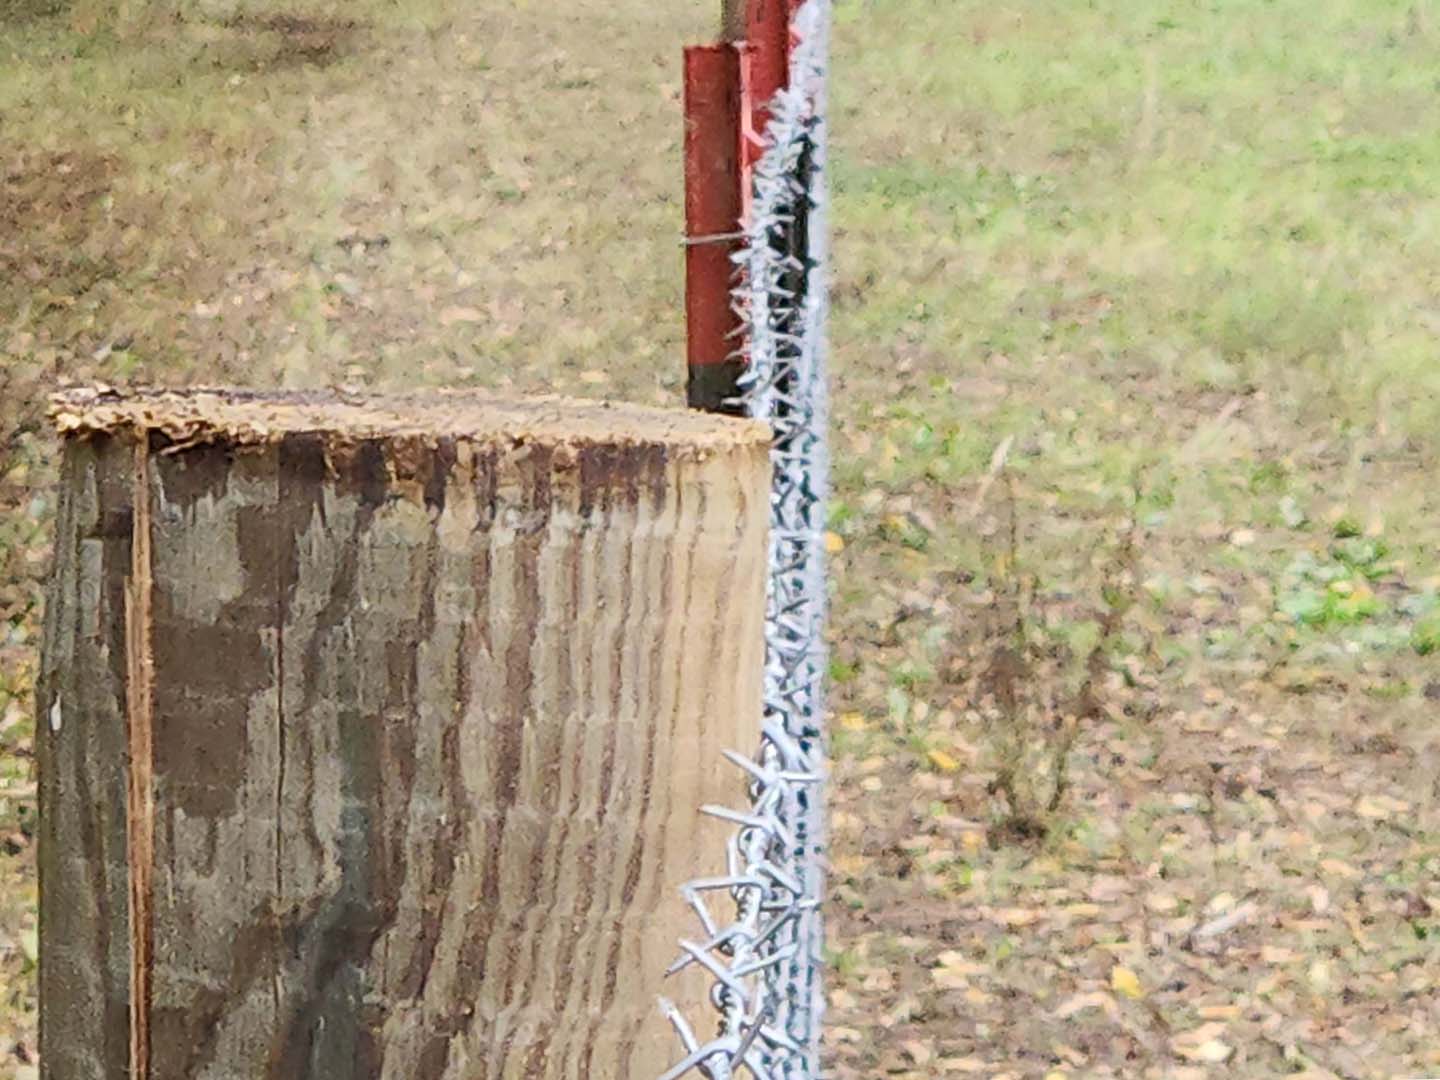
[{"x": 1177, "y": 262}]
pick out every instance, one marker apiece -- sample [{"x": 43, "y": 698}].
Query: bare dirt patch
[
  {"x": 285, "y": 40},
  {"x": 48, "y": 199},
  {"x": 20, "y": 11}
]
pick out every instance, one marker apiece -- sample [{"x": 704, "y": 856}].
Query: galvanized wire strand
[{"x": 767, "y": 957}]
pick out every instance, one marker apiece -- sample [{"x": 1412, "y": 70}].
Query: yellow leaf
[
  {"x": 1219, "y": 1012},
  {"x": 943, "y": 761},
  {"x": 852, "y": 721},
  {"x": 849, "y": 865},
  {"x": 1124, "y": 981},
  {"x": 954, "y": 972},
  {"x": 834, "y": 543}
]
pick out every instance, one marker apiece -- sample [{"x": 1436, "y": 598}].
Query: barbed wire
[{"x": 767, "y": 956}]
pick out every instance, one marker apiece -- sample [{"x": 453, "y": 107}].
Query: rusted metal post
[
  {"x": 730, "y": 88},
  {"x": 767, "y": 71},
  {"x": 712, "y": 225}
]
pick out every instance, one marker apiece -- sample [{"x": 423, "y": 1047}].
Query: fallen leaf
[
  {"x": 1096, "y": 999},
  {"x": 943, "y": 761},
  {"x": 834, "y": 543},
  {"x": 1126, "y": 982},
  {"x": 1357, "y": 931},
  {"x": 964, "y": 1065},
  {"x": 1203, "y": 1033},
  {"x": 1213, "y": 1051},
  {"x": 1380, "y": 807},
  {"x": 1219, "y": 1012},
  {"x": 1226, "y": 922},
  {"x": 1203, "y": 1044},
  {"x": 451, "y": 315},
  {"x": 954, "y": 970},
  {"x": 1016, "y": 916},
  {"x": 917, "y": 1051},
  {"x": 1220, "y": 903}
]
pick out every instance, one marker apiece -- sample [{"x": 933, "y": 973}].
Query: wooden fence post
[{"x": 374, "y": 732}]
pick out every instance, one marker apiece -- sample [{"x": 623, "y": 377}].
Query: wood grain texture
[{"x": 429, "y": 723}]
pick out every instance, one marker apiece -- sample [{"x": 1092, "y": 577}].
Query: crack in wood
[{"x": 140, "y": 731}]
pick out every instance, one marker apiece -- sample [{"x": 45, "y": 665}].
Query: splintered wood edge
[{"x": 259, "y": 418}]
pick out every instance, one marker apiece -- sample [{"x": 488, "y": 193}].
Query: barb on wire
[{"x": 766, "y": 956}]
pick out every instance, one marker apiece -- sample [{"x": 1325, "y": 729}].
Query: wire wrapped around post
[{"x": 767, "y": 956}]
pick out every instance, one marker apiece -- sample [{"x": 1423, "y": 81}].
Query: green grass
[
  {"x": 1189, "y": 246},
  {"x": 1215, "y": 197}
]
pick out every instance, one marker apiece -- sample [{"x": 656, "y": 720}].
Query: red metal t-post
[
  {"x": 767, "y": 67},
  {"x": 714, "y": 352},
  {"x": 729, "y": 88}
]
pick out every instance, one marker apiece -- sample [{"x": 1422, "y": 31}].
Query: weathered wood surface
[{"x": 373, "y": 753}]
